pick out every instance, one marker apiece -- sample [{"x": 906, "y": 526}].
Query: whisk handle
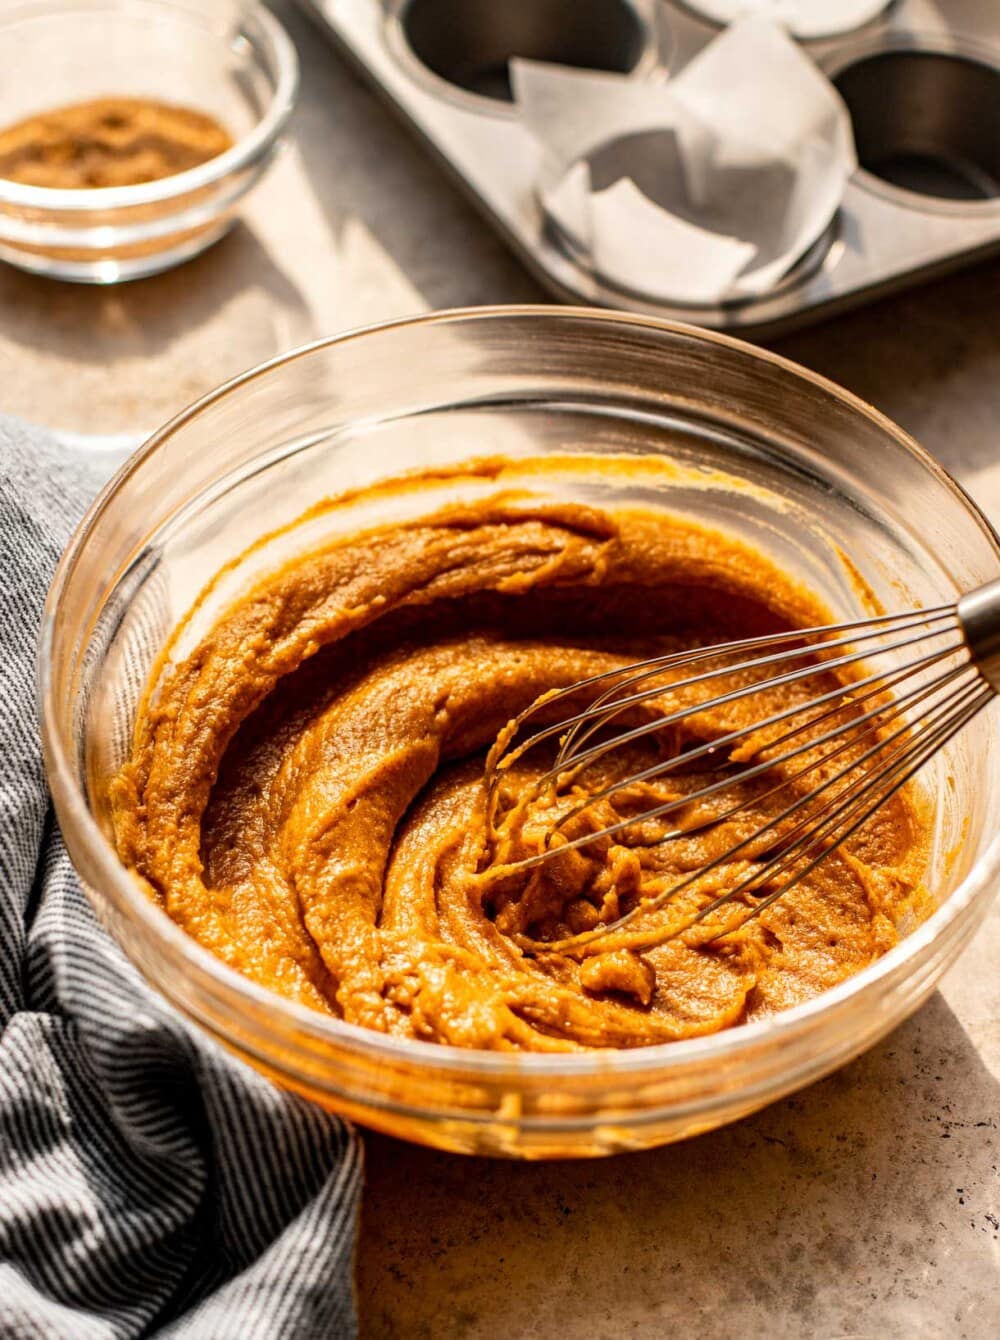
[{"x": 979, "y": 615}]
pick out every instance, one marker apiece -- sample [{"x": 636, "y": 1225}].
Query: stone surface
[
  {"x": 868, "y": 1205},
  {"x": 864, "y": 1207}
]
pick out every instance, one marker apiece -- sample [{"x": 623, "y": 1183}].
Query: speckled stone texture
[{"x": 867, "y": 1205}]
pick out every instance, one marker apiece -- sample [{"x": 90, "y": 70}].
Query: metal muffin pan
[{"x": 922, "y": 83}]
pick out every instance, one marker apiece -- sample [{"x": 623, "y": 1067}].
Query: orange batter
[{"x": 305, "y": 795}]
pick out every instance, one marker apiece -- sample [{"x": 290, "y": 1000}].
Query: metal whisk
[{"x": 858, "y": 742}]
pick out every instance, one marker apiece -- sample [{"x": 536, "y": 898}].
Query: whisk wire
[
  {"x": 885, "y": 783},
  {"x": 682, "y": 714},
  {"x": 605, "y": 707},
  {"x": 884, "y": 748},
  {"x": 658, "y": 664},
  {"x": 657, "y": 770},
  {"x": 898, "y": 777}
]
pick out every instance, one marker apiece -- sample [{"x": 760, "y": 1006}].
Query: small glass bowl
[
  {"x": 819, "y": 475},
  {"x": 230, "y": 59}
]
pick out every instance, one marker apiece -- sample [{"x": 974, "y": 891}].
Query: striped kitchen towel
[{"x": 150, "y": 1184}]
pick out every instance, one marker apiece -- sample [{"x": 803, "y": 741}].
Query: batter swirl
[{"x": 305, "y": 792}]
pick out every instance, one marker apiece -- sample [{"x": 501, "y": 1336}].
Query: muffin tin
[{"x": 922, "y": 83}]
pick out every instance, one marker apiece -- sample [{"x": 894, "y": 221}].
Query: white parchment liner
[{"x": 699, "y": 190}]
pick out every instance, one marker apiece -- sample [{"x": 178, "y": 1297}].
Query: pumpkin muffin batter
[{"x": 305, "y": 794}]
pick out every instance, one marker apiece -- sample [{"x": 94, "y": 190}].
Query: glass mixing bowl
[{"x": 821, "y": 475}]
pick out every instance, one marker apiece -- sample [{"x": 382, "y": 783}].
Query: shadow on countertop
[
  {"x": 90, "y": 323},
  {"x": 928, "y": 358},
  {"x": 451, "y": 257},
  {"x": 832, "y": 1213}
]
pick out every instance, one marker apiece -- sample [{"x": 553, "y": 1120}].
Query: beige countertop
[{"x": 868, "y": 1205}]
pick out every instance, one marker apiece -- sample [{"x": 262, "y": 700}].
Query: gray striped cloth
[{"x": 150, "y": 1184}]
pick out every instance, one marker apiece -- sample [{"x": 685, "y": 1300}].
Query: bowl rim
[
  {"x": 253, "y": 145},
  {"x": 299, "y": 1021}
]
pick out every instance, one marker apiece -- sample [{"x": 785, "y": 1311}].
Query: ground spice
[{"x": 109, "y": 142}]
